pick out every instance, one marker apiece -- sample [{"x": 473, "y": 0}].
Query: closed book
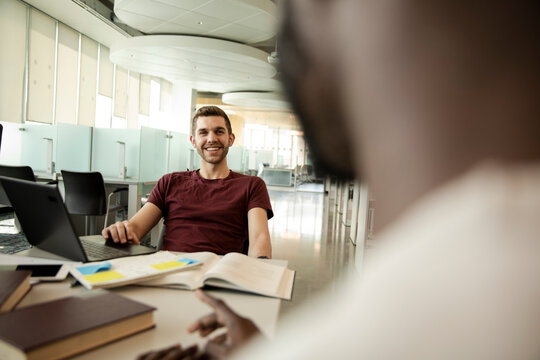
[
  {"x": 14, "y": 284},
  {"x": 68, "y": 326}
]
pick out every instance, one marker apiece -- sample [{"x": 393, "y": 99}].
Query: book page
[
  {"x": 189, "y": 279},
  {"x": 248, "y": 274}
]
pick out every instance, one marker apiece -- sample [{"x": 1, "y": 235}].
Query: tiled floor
[{"x": 308, "y": 232}]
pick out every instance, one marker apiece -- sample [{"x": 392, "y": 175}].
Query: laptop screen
[{"x": 43, "y": 217}]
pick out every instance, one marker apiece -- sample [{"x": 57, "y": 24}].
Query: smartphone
[{"x": 49, "y": 272}]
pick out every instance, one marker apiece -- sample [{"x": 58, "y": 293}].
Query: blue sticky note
[
  {"x": 188, "y": 261},
  {"x": 92, "y": 269}
]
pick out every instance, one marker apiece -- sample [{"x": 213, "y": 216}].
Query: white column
[{"x": 183, "y": 108}]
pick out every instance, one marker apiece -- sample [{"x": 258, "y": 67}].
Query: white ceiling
[{"x": 246, "y": 21}]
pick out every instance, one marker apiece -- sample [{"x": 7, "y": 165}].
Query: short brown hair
[{"x": 210, "y": 111}]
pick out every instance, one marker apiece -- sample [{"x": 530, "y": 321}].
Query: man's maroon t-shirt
[{"x": 208, "y": 215}]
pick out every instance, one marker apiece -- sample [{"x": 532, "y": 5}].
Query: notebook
[{"x": 47, "y": 225}]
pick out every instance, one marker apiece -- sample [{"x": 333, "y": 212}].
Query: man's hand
[
  {"x": 239, "y": 329},
  {"x": 121, "y": 232},
  {"x": 134, "y": 229}
]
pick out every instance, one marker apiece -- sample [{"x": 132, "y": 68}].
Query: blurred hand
[
  {"x": 239, "y": 329},
  {"x": 175, "y": 352},
  {"x": 121, "y": 232}
]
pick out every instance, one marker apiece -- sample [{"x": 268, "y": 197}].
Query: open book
[
  {"x": 232, "y": 271},
  {"x": 131, "y": 269}
]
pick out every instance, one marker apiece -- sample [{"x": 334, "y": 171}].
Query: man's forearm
[{"x": 260, "y": 247}]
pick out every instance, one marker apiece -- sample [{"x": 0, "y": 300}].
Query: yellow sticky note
[
  {"x": 168, "y": 265},
  {"x": 103, "y": 276}
]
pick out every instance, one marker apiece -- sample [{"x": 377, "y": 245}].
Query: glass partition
[
  {"x": 153, "y": 154},
  {"x": 265, "y": 157},
  {"x": 235, "y": 159},
  {"x": 73, "y": 149},
  {"x": 194, "y": 159},
  {"x": 38, "y": 147},
  {"x": 116, "y": 152},
  {"x": 145, "y": 154},
  {"x": 179, "y": 148},
  {"x": 245, "y": 161}
]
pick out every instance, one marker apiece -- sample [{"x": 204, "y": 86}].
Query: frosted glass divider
[
  {"x": 179, "y": 147},
  {"x": 235, "y": 159},
  {"x": 154, "y": 145},
  {"x": 38, "y": 146},
  {"x": 105, "y": 151},
  {"x": 73, "y": 149},
  {"x": 245, "y": 160}
]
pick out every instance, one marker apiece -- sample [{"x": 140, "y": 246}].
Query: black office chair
[
  {"x": 85, "y": 195},
  {"x": 18, "y": 172}
]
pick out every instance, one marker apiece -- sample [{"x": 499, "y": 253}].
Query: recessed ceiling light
[{"x": 200, "y": 22}]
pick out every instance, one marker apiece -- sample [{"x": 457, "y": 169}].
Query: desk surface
[{"x": 176, "y": 309}]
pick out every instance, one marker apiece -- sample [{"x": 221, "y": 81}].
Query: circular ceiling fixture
[
  {"x": 246, "y": 21},
  {"x": 264, "y": 100},
  {"x": 202, "y": 63}
]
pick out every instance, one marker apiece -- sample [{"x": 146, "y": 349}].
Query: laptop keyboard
[{"x": 96, "y": 251}]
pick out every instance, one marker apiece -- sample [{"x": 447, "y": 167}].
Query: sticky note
[
  {"x": 172, "y": 264},
  {"x": 103, "y": 276},
  {"x": 92, "y": 269},
  {"x": 187, "y": 261},
  {"x": 167, "y": 265}
]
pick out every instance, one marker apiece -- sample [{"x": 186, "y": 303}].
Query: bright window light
[{"x": 103, "y": 111}]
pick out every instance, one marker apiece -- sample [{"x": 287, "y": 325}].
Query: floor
[{"x": 308, "y": 232}]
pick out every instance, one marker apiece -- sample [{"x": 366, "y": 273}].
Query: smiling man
[{"x": 209, "y": 209}]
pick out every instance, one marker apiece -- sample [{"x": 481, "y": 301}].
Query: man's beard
[{"x": 210, "y": 159}]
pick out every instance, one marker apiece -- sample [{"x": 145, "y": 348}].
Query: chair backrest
[
  {"x": 19, "y": 172},
  {"x": 84, "y": 192}
]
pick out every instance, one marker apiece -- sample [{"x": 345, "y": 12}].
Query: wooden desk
[{"x": 176, "y": 309}]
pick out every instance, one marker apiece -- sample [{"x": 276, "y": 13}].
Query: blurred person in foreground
[{"x": 435, "y": 104}]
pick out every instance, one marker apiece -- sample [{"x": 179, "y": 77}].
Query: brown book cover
[
  {"x": 61, "y": 328},
  {"x": 14, "y": 284}
]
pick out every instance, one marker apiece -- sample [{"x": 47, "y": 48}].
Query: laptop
[{"x": 46, "y": 223}]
